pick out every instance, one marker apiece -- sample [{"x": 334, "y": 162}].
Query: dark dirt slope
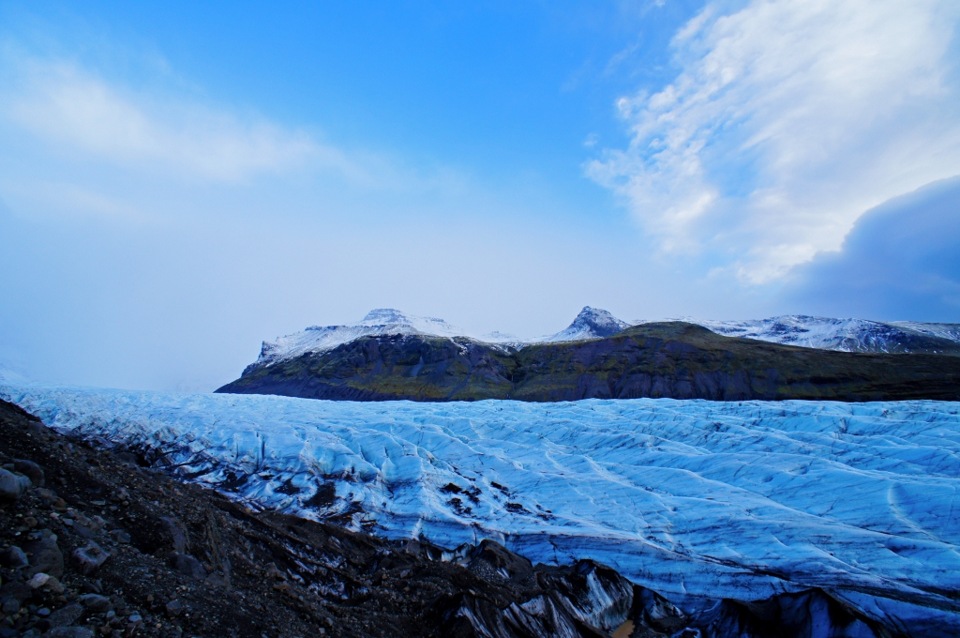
[{"x": 667, "y": 360}]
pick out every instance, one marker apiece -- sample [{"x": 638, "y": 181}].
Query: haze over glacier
[{"x": 690, "y": 498}]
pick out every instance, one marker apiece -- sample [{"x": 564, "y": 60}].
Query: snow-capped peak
[
  {"x": 390, "y": 317},
  {"x": 591, "y": 323},
  {"x": 380, "y": 321}
]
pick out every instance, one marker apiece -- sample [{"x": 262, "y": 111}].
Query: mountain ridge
[
  {"x": 844, "y": 335},
  {"x": 658, "y": 360}
]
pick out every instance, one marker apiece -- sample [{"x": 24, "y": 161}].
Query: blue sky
[{"x": 182, "y": 180}]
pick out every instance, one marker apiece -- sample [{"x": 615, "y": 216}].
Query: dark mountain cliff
[{"x": 660, "y": 360}]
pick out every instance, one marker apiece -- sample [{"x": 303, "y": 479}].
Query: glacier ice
[{"x": 689, "y": 498}]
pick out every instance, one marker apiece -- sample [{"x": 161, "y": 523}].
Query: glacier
[{"x": 693, "y": 499}]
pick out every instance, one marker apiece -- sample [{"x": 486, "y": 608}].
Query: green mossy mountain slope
[{"x": 662, "y": 360}]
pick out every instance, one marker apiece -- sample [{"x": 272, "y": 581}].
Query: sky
[{"x": 180, "y": 181}]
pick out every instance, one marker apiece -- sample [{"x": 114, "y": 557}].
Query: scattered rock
[
  {"x": 45, "y": 554},
  {"x": 54, "y": 585},
  {"x": 38, "y": 580},
  {"x": 9, "y": 606},
  {"x": 31, "y": 470},
  {"x": 176, "y": 532},
  {"x": 13, "y": 557},
  {"x": 121, "y": 536},
  {"x": 188, "y": 566},
  {"x": 12, "y": 485},
  {"x": 66, "y": 615},
  {"x": 90, "y": 557},
  {"x": 174, "y": 607},
  {"x": 94, "y": 602}
]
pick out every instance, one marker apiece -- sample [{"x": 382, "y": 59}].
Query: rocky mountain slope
[
  {"x": 590, "y": 323},
  {"x": 673, "y": 360},
  {"x": 95, "y": 543},
  {"x": 845, "y": 335}
]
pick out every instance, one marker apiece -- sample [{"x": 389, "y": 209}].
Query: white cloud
[
  {"x": 787, "y": 121},
  {"x": 72, "y": 108},
  {"x": 84, "y": 143}
]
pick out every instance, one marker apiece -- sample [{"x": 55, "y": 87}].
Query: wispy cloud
[
  {"x": 786, "y": 122},
  {"x": 91, "y": 143},
  {"x": 71, "y": 107}
]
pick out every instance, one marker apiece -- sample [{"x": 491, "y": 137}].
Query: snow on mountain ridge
[
  {"x": 949, "y": 331},
  {"x": 590, "y": 323},
  {"x": 846, "y": 335},
  {"x": 851, "y": 335}
]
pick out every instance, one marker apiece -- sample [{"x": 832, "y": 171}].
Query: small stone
[
  {"x": 90, "y": 557},
  {"x": 12, "y": 486},
  {"x": 38, "y": 580},
  {"x": 177, "y": 534},
  {"x": 94, "y": 602},
  {"x": 135, "y": 618},
  {"x": 45, "y": 554},
  {"x": 121, "y": 536},
  {"x": 174, "y": 607},
  {"x": 10, "y": 606},
  {"x": 67, "y": 615},
  {"x": 13, "y": 557},
  {"x": 188, "y": 565},
  {"x": 31, "y": 470},
  {"x": 54, "y": 585},
  {"x": 43, "y": 612}
]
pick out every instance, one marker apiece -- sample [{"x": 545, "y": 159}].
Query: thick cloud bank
[{"x": 901, "y": 261}]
